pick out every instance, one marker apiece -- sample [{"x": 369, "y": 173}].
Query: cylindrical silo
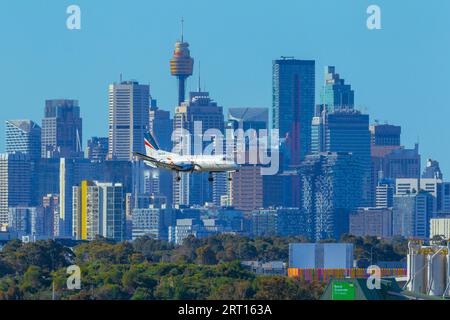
[
  {"x": 437, "y": 271},
  {"x": 417, "y": 269},
  {"x": 447, "y": 292}
]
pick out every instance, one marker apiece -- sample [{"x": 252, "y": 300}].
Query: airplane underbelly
[
  {"x": 150, "y": 164},
  {"x": 206, "y": 167}
]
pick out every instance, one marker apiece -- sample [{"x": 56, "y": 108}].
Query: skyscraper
[
  {"x": 402, "y": 163},
  {"x": 385, "y": 138},
  {"x": 248, "y": 118},
  {"x": 153, "y": 222},
  {"x": 203, "y": 113},
  {"x": 62, "y": 130},
  {"x": 161, "y": 126},
  {"x": 432, "y": 170},
  {"x": 15, "y": 183},
  {"x": 27, "y": 221},
  {"x": 181, "y": 65},
  {"x": 375, "y": 222},
  {"x": 346, "y": 130},
  {"x": 71, "y": 173},
  {"x": 293, "y": 104},
  {"x": 335, "y": 93},
  {"x": 282, "y": 222},
  {"x": 412, "y": 214},
  {"x": 293, "y": 100},
  {"x": 246, "y": 186},
  {"x": 45, "y": 179},
  {"x": 128, "y": 119},
  {"x": 385, "y": 135},
  {"x": 23, "y": 136},
  {"x": 389, "y": 157},
  {"x": 434, "y": 186},
  {"x": 50, "y": 203},
  {"x": 97, "y": 149},
  {"x": 98, "y": 210},
  {"x": 384, "y": 193},
  {"x": 331, "y": 190}
]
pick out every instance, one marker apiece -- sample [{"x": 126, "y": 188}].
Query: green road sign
[{"x": 343, "y": 291}]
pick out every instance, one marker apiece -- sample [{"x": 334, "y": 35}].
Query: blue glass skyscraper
[
  {"x": 292, "y": 112},
  {"x": 346, "y": 130},
  {"x": 23, "y": 136},
  {"x": 293, "y": 103},
  {"x": 335, "y": 93}
]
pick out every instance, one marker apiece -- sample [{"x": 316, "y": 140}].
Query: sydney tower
[{"x": 181, "y": 65}]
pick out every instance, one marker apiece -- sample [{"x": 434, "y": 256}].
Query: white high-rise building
[
  {"x": 406, "y": 186},
  {"x": 433, "y": 186},
  {"x": 98, "y": 210},
  {"x": 384, "y": 195},
  {"x": 128, "y": 119}
]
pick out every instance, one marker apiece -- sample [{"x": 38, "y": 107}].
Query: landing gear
[
  {"x": 178, "y": 178},
  {"x": 229, "y": 176},
  {"x": 210, "y": 177}
]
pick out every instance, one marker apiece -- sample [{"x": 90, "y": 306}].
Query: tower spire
[
  {"x": 199, "y": 75},
  {"x": 182, "y": 29},
  {"x": 181, "y": 64}
]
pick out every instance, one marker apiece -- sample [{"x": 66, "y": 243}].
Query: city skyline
[
  {"x": 363, "y": 70},
  {"x": 230, "y": 150}
]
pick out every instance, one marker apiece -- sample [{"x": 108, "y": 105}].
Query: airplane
[{"x": 156, "y": 158}]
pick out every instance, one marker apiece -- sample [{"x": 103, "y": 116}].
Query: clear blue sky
[{"x": 400, "y": 74}]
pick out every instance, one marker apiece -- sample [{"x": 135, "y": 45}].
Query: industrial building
[
  {"x": 325, "y": 261},
  {"x": 321, "y": 255}
]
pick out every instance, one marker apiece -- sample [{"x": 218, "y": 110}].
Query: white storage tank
[
  {"x": 437, "y": 272},
  {"x": 447, "y": 292},
  {"x": 417, "y": 269}
]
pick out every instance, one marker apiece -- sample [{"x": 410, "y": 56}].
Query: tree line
[{"x": 199, "y": 269}]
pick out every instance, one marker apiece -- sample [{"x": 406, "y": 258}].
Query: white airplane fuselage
[
  {"x": 157, "y": 158},
  {"x": 198, "y": 163}
]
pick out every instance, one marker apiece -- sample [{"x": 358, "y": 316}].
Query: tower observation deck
[{"x": 181, "y": 65}]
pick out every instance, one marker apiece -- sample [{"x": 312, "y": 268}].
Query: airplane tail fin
[{"x": 151, "y": 146}]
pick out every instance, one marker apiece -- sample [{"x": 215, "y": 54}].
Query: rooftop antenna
[
  {"x": 78, "y": 141},
  {"x": 120, "y": 77}
]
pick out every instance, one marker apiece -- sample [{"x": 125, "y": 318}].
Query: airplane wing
[{"x": 160, "y": 164}]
